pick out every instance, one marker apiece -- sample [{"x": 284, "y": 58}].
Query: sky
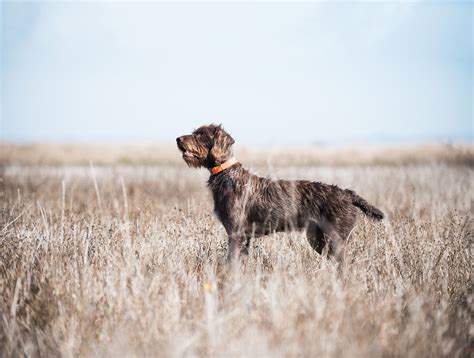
[{"x": 271, "y": 73}]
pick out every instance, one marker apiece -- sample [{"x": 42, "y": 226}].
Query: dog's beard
[
  {"x": 190, "y": 157},
  {"x": 191, "y": 160}
]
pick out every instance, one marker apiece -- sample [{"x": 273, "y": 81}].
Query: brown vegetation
[
  {"x": 128, "y": 260},
  {"x": 165, "y": 154}
]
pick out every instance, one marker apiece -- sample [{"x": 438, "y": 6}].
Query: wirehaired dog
[{"x": 251, "y": 206}]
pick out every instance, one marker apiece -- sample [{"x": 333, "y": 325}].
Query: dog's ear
[{"x": 220, "y": 151}]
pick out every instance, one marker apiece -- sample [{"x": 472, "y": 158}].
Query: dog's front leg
[{"x": 237, "y": 247}]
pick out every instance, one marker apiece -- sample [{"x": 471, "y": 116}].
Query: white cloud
[{"x": 151, "y": 70}]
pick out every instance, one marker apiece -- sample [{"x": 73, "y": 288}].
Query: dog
[{"x": 251, "y": 206}]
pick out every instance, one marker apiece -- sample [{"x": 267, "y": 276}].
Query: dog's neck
[{"x": 227, "y": 164}]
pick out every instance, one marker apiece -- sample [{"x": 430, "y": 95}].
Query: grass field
[{"x": 126, "y": 259}]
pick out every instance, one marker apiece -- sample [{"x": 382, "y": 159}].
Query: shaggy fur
[{"x": 251, "y": 206}]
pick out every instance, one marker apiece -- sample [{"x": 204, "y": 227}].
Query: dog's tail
[{"x": 363, "y": 205}]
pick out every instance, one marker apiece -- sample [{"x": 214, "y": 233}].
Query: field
[{"x": 123, "y": 257}]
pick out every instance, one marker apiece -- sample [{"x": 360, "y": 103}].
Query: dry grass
[
  {"x": 128, "y": 260},
  {"x": 165, "y": 154}
]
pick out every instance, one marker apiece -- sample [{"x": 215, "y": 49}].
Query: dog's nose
[{"x": 179, "y": 139}]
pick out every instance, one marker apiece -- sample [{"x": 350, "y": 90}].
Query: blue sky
[{"x": 272, "y": 73}]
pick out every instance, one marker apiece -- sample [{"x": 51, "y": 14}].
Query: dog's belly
[
  {"x": 261, "y": 220},
  {"x": 257, "y": 229}
]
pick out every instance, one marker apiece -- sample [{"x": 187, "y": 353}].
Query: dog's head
[{"x": 208, "y": 146}]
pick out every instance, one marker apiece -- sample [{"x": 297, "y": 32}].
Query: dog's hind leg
[
  {"x": 315, "y": 236},
  {"x": 323, "y": 236}
]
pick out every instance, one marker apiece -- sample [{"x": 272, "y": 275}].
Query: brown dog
[{"x": 251, "y": 206}]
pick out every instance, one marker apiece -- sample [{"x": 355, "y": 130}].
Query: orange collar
[{"x": 223, "y": 166}]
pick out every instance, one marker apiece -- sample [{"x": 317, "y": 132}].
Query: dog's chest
[{"x": 225, "y": 195}]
